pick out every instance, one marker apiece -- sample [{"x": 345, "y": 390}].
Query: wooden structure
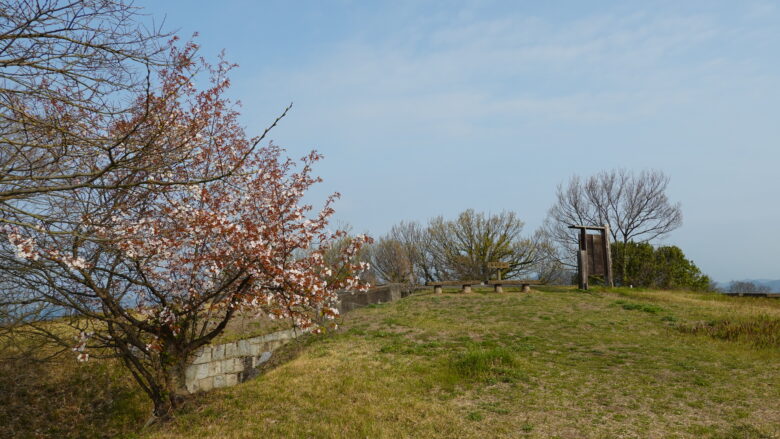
[
  {"x": 465, "y": 284},
  {"x": 498, "y": 266},
  {"x": 526, "y": 284},
  {"x": 594, "y": 257}
]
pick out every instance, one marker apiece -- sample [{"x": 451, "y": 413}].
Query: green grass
[
  {"x": 555, "y": 363},
  {"x": 485, "y": 364},
  {"x": 633, "y": 306}
]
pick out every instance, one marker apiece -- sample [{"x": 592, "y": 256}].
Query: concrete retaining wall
[
  {"x": 228, "y": 364},
  {"x": 387, "y": 293}
]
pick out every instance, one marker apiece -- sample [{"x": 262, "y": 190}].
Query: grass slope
[{"x": 553, "y": 363}]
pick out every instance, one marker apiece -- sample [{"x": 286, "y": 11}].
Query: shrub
[{"x": 666, "y": 267}]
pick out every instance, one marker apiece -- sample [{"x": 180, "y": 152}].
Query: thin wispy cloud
[
  {"x": 429, "y": 108},
  {"x": 605, "y": 68}
]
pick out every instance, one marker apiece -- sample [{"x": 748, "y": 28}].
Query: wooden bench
[
  {"x": 465, "y": 284},
  {"x": 526, "y": 284}
]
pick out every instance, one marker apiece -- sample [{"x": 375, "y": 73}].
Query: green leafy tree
[
  {"x": 665, "y": 267},
  {"x": 674, "y": 270},
  {"x": 633, "y": 263}
]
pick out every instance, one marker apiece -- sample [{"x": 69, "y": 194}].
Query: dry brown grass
[
  {"x": 556, "y": 364},
  {"x": 60, "y": 397},
  {"x": 247, "y": 325},
  {"x": 63, "y": 398}
]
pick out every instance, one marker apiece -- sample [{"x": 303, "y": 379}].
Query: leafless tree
[
  {"x": 634, "y": 205},
  {"x": 391, "y": 261},
  {"x": 463, "y": 248},
  {"x": 548, "y": 267},
  {"x": 70, "y": 73},
  {"x": 64, "y": 64},
  {"x": 747, "y": 287},
  {"x": 416, "y": 241},
  {"x": 82, "y": 105},
  {"x": 88, "y": 101}
]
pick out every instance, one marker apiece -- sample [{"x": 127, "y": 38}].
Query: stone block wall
[{"x": 228, "y": 364}]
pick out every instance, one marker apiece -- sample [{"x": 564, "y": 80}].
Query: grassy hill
[
  {"x": 556, "y": 363},
  {"x": 552, "y": 363}
]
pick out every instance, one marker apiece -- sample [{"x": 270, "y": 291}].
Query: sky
[{"x": 427, "y": 108}]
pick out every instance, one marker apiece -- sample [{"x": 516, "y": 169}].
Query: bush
[{"x": 666, "y": 267}]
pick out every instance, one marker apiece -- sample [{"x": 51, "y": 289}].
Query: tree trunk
[
  {"x": 624, "y": 259},
  {"x": 168, "y": 392},
  {"x": 164, "y": 407}
]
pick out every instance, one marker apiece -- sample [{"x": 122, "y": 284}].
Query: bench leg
[
  {"x": 526, "y": 288},
  {"x": 466, "y": 288},
  {"x": 437, "y": 289},
  {"x": 499, "y": 289}
]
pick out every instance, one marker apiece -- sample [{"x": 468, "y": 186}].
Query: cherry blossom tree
[
  {"x": 155, "y": 272},
  {"x": 149, "y": 242},
  {"x": 92, "y": 103},
  {"x": 68, "y": 71}
]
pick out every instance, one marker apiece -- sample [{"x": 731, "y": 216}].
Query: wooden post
[
  {"x": 437, "y": 289},
  {"x": 498, "y": 288},
  {"x": 610, "y": 280},
  {"x": 467, "y": 288},
  {"x": 498, "y": 266},
  {"x": 583, "y": 259}
]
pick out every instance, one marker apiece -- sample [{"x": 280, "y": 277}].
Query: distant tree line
[
  {"x": 634, "y": 206},
  {"x": 460, "y": 248},
  {"x": 747, "y": 287}
]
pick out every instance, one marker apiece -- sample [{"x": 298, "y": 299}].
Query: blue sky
[{"x": 426, "y": 108}]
